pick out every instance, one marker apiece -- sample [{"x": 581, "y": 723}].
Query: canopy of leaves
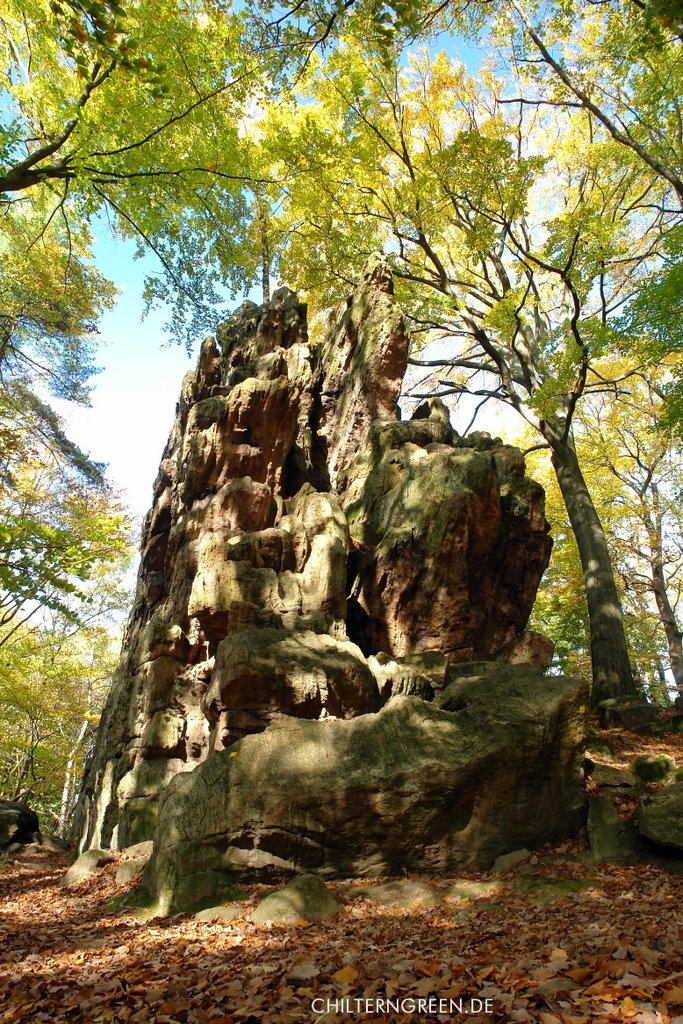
[
  {"x": 52, "y": 687},
  {"x": 111, "y": 110}
]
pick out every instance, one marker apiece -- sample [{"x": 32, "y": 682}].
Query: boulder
[
  {"x": 262, "y": 673},
  {"x": 613, "y": 840},
  {"x": 660, "y": 816},
  {"x": 509, "y": 861},
  {"x": 133, "y": 862},
  {"x": 451, "y": 543},
  {"x": 411, "y": 788},
  {"x": 305, "y": 898},
  {"x": 19, "y": 825},
  {"x": 653, "y": 767},
  {"x": 617, "y": 714},
  {"x": 220, "y": 914},
  {"x": 610, "y": 775}
]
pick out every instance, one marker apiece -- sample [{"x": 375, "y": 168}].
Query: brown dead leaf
[
  {"x": 674, "y": 995},
  {"x": 346, "y": 976},
  {"x": 427, "y": 969},
  {"x": 303, "y": 970},
  {"x": 579, "y": 974}
]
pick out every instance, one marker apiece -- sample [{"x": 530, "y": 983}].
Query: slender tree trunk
[
  {"x": 68, "y": 787},
  {"x": 262, "y": 220},
  {"x": 612, "y": 673},
  {"x": 667, "y": 616},
  {"x": 659, "y": 691}
]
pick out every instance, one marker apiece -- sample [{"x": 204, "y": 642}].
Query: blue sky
[{"x": 133, "y": 401}]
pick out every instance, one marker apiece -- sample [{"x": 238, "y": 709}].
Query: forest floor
[{"x": 558, "y": 940}]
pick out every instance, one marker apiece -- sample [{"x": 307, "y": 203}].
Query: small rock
[
  {"x": 395, "y": 893},
  {"x": 653, "y": 767},
  {"x": 507, "y": 861},
  {"x": 612, "y": 775},
  {"x": 615, "y": 714},
  {"x": 305, "y": 898},
  {"x": 140, "y": 852},
  {"x": 128, "y": 870},
  {"x": 612, "y": 839},
  {"x": 18, "y": 825},
  {"x": 216, "y": 915}
]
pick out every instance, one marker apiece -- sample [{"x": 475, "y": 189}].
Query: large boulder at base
[
  {"x": 412, "y": 787},
  {"x": 660, "y": 816},
  {"x": 18, "y": 825},
  {"x": 628, "y": 714}
]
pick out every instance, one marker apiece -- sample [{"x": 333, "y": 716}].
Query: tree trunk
[
  {"x": 612, "y": 673},
  {"x": 667, "y": 616},
  {"x": 262, "y": 221},
  {"x": 66, "y": 803}
]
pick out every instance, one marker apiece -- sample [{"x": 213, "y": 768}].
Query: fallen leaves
[{"x": 601, "y": 954}]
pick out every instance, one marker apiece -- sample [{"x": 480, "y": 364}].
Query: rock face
[{"x": 309, "y": 554}]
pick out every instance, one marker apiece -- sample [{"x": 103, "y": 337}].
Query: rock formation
[
  {"x": 310, "y": 554},
  {"x": 18, "y": 825}
]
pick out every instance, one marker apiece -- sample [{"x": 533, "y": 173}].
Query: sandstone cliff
[{"x": 308, "y": 553}]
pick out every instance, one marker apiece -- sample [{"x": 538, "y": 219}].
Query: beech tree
[
  {"x": 133, "y": 118},
  {"x": 624, "y": 443},
  {"x": 634, "y": 473},
  {"x": 111, "y": 119}
]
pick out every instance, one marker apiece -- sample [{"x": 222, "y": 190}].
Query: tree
[
  {"x": 516, "y": 237},
  {"x": 648, "y": 526},
  {"x": 53, "y": 684},
  {"x": 136, "y": 118},
  {"x": 633, "y": 469},
  {"x": 59, "y": 527},
  {"x": 619, "y": 62}
]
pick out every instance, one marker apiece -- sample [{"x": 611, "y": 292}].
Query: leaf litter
[{"x": 557, "y": 940}]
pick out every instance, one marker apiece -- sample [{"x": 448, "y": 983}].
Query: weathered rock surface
[
  {"x": 451, "y": 542},
  {"x": 412, "y": 788},
  {"x": 613, "y": 840},
  {"x": 309, "y": 554}
]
